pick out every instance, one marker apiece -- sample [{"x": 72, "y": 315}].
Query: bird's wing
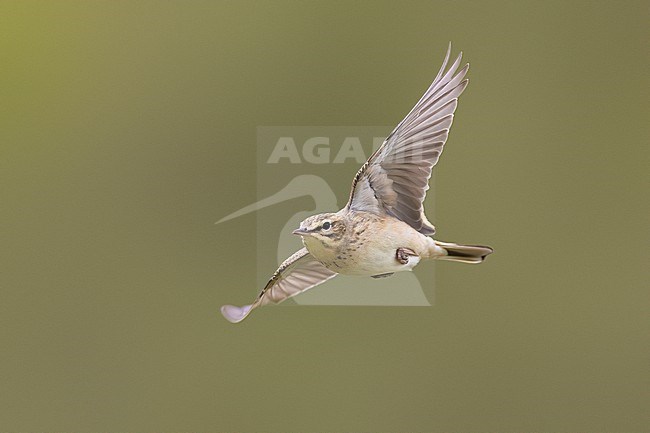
[
  {"x": 395, "y": 178},
  {"x": 297, "y": 274}
]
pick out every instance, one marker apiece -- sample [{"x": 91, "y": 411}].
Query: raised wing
[
  {"x": 395, "y": 178},
  {"x": 297, "y": 274}
]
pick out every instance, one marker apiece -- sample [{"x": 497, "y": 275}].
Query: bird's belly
[
  {"x": 377, "y": 255},
  {"x": 376, "y": 262}
]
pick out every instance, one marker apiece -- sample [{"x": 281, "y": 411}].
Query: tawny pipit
[{"x": 382, "y": 229}]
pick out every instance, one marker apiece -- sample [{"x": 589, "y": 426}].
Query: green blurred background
[{"x": 128, "y": 128}]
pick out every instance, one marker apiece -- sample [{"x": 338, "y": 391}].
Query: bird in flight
[{"x": 382, "y": 229}]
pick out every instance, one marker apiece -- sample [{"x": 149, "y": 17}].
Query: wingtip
[{"x": 235, "y": 314}]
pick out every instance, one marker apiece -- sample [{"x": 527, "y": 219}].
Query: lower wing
[{"x": 297, "y": 274}]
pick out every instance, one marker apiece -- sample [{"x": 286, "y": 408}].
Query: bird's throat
[{"x": 318, "y": 248}]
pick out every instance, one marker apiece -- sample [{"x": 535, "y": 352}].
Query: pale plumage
[{"x": 383, "y": 228}]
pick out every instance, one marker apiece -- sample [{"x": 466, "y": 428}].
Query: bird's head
[{"x": 327, "y": 228}]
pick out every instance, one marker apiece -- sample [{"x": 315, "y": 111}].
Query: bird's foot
[
  {"x": 383, "y": 275},
  {"x": 402, "y": 255}
]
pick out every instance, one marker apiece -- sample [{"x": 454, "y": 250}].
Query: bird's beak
[{"x": 300, "y": 232}]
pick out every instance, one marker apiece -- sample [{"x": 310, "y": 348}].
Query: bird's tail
[{"x": 463, "y": 253}]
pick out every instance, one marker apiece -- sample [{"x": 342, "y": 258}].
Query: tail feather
[{"x": 464, "y": 253}]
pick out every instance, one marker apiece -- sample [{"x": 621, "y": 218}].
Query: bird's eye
[{"x": 327, "y": 225}]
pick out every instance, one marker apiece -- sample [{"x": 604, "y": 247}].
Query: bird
[{"x": 383, "y": 228}]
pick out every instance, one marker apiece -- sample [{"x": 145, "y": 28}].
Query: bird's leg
[
  {"x": 383, "y": 275},
  {"x": 402, "y": 255}
]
